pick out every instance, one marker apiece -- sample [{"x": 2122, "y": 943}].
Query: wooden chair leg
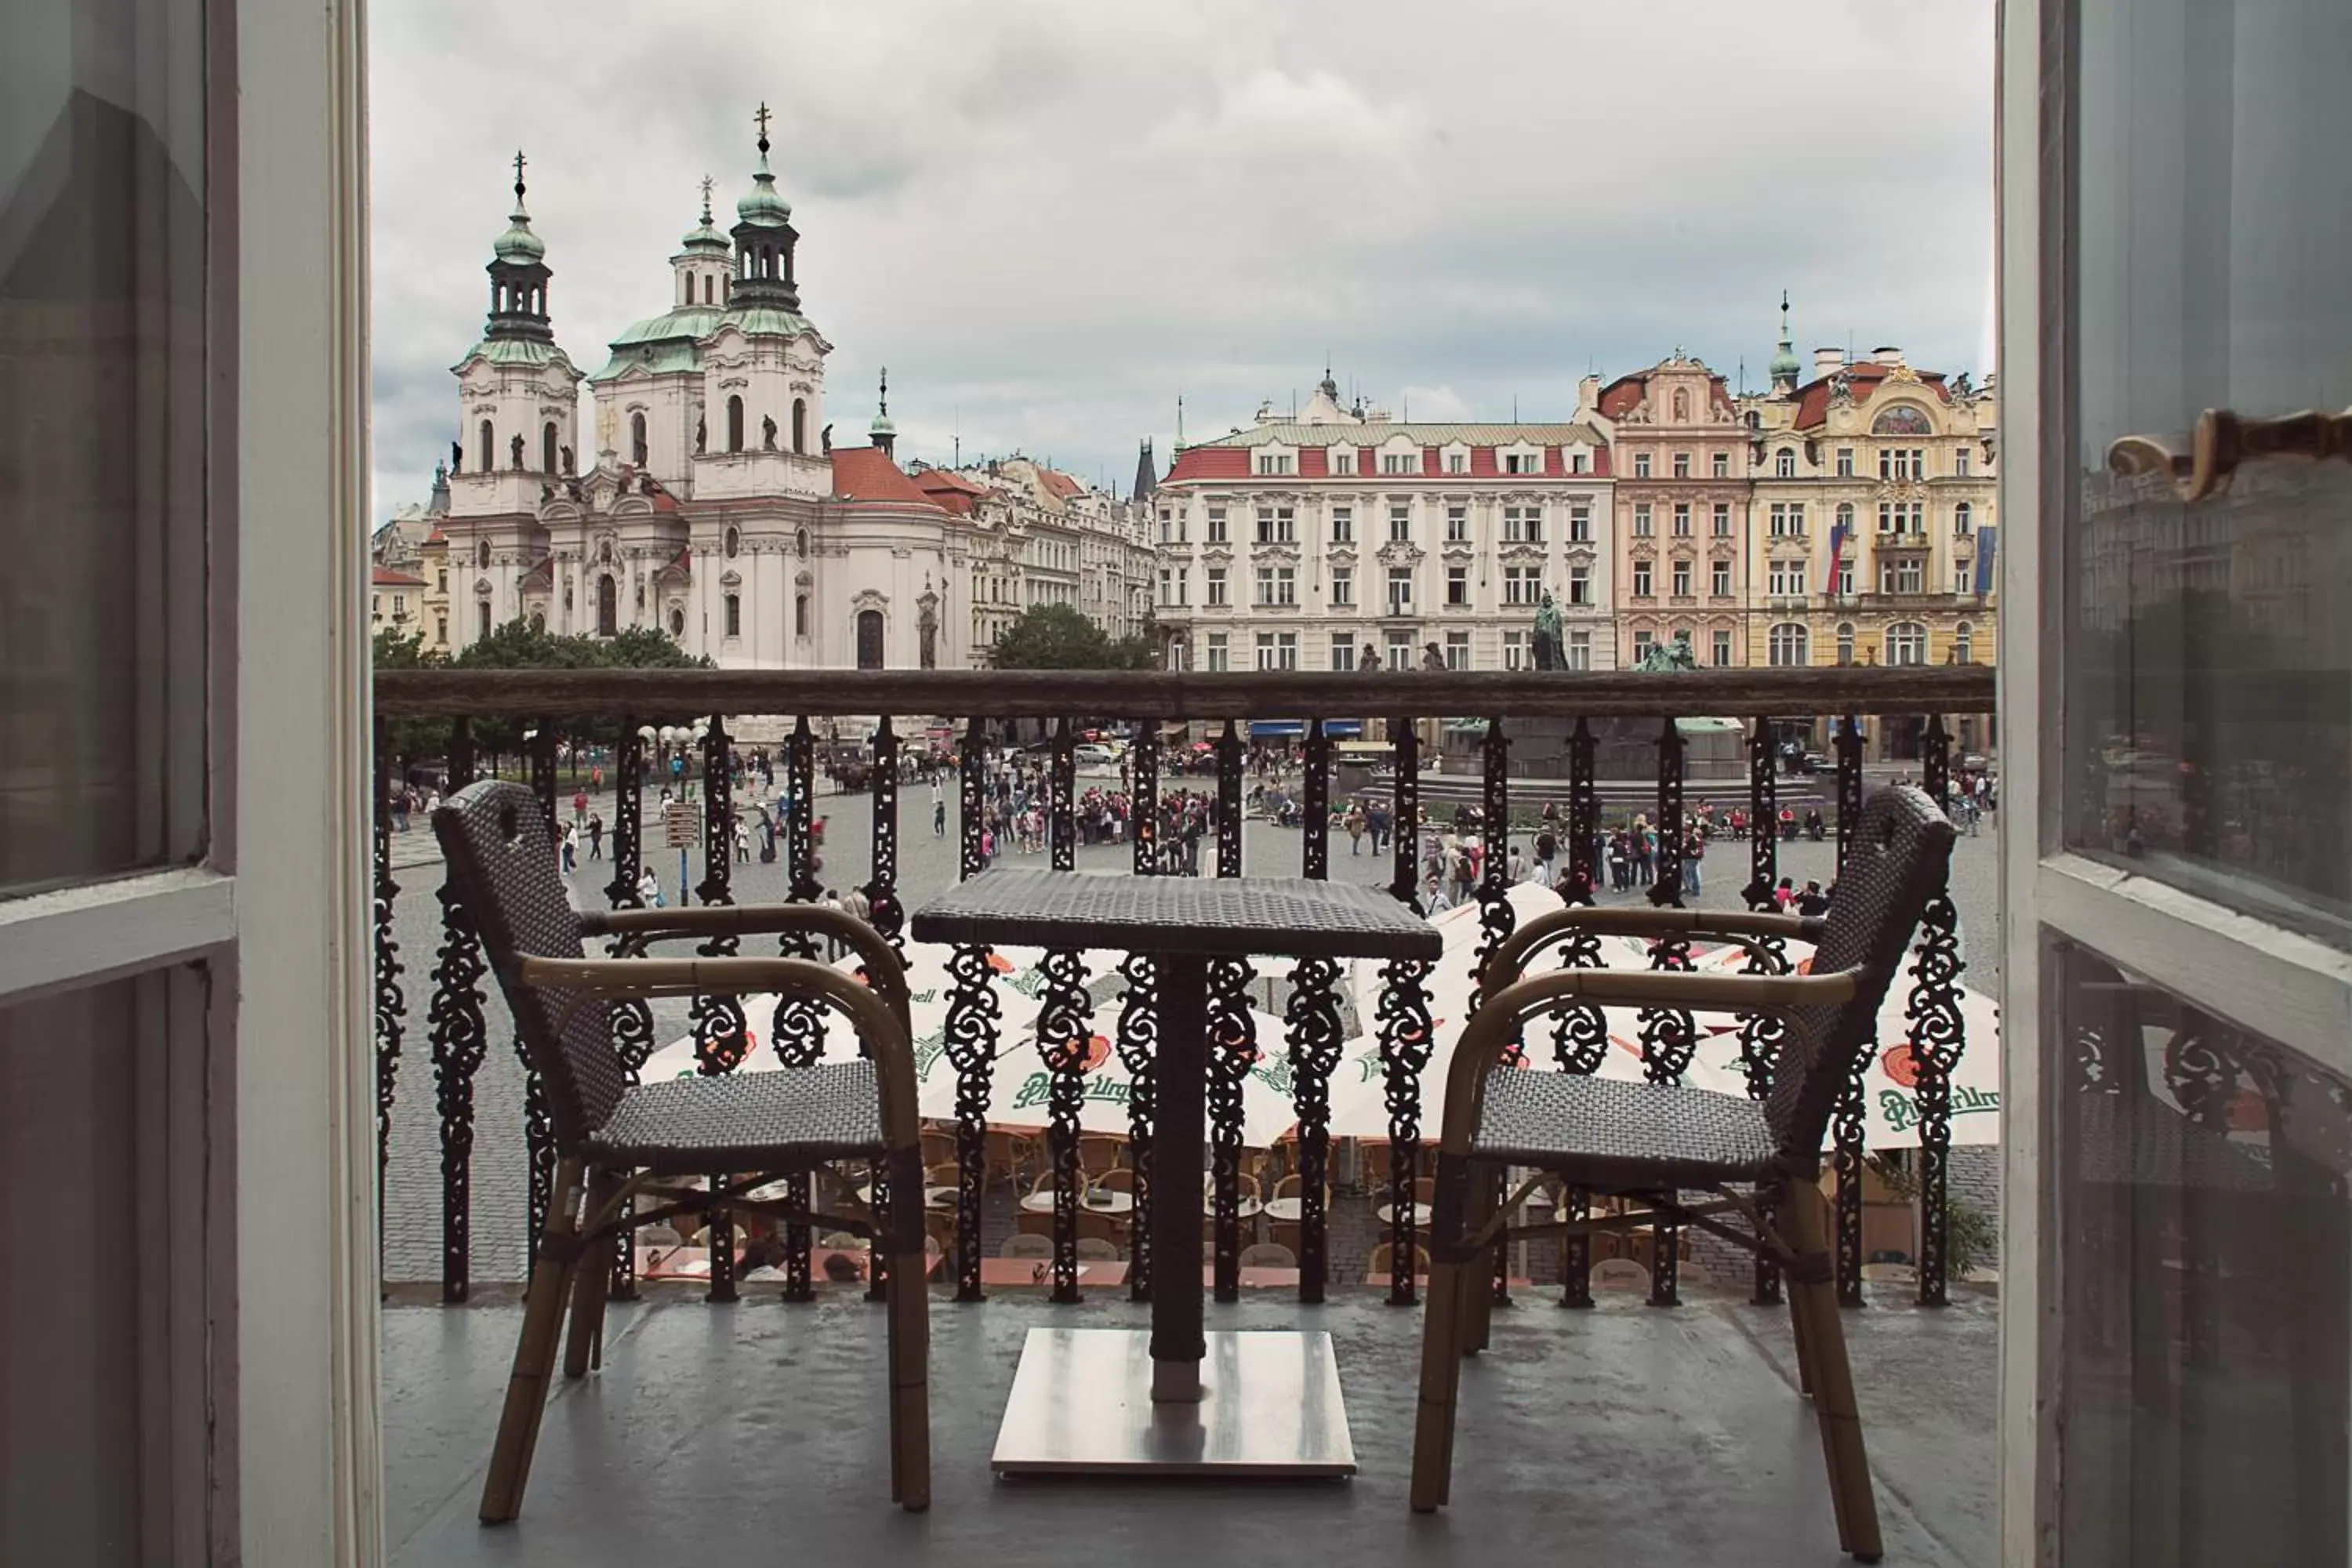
[
  {"x": 1813, "y": 1291},
  {"x": 1478, "y": 1277},
  {"x": 543, "y": 1325},
  {"x": 592, "y": 1285},
  {"x": 909, "y": 1291},
  {"x": 1441, "y": 1379}
]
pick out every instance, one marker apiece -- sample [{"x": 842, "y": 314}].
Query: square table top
[{"x": 1214, "y": 917}]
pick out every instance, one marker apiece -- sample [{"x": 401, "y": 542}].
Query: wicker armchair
[
  {"x": 615, "y": 1140},
  {"x": 1658, "y": 1143}
]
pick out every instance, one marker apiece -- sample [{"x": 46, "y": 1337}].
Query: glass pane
[
  {"x": 2208, "y": 714},
  {"x": 2204, "y": 1281},
  {"x": 102, "y": 447},
  {"x": 69, "y": 1361}
]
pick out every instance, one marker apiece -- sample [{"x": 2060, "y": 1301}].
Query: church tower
[
  {"x": 763, "y": 363},
  {"x": 518, "y": 400},
  {"x": 1785, "y": 368}
]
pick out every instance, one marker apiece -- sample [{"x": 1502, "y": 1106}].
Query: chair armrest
[
  {"x": 1510, "y": 961},
  {"x": 1494, "y": 1027},
  {"x": 883, "y": 964},
  {"x": 877, "y": 1022}
]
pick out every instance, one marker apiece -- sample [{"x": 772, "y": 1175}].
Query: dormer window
[{"x": 1276, "y": 463}]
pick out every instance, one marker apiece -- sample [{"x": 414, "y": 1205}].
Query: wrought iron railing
[{"x": 978, "y": 705}]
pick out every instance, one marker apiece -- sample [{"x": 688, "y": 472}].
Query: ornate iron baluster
[
  {"x": 972, "y": 1025},
  {"x": 632, "y": 1019},
  {"x": 1065, "y": 1026},
  {"x": 1312, "y": 1019},
  {"x": 1233, "y": 1039},
  {"x": 1579, "y": 1038},
  {"x": 1139, "y": 1010},
  {"x": 721, "y": 1040},
  {"x": 885, "y": 915},
  {"x": 391, "y": 1004},
  {"x": 538, "y": 1120},
  {"x": 460, "y": 1037},
  {"x": 1669, "y": 1035},
  {"x": 1938, "y": 1034},
  {"x": 1762, "y": 1033},
  {"x": 1846, "y": 1123},
  {"x": 1496, "y": 921},
  {"x": 798, "y": 1028},
  {"x": 1406, "y": 1030}
]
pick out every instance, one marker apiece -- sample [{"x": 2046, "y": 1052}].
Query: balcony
[{"x": 717, "y": 1430}]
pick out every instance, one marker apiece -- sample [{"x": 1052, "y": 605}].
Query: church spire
[
  {"x": 1785, "y": 368},
  {"x": 884, "y": 434},
  {"x": 519, "y": 273},
  {"x": 765, "y": 237},
  {"x": 1147, "y": 476}
]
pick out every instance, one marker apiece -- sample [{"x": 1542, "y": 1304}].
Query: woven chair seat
[
  {"x": 744, "y": 1122},
  {"x": 1611, "y": 1134},
  {"x": 2152, "y": 1145}
]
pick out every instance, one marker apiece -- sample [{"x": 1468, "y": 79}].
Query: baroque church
[{"x": 714, "y": 506}]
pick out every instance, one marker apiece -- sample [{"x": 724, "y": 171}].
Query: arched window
[
  {"x": 734, "y": 615},
  {"x": 1784, "y": 465},
  {"x": 1964, "y": 636},
  {"x": 1964, "y": 519},
  {"x": 677, "y": 622},
  {"x": 1845, "y": 642},
  {"x": 869, "y": 639},
  {"x": 705, "y": 289},
  {"x": 734, "y": 424},
  {"x": 1845, "y": 517},
  {"x": 800, "y": 615},
  {"x": 800, "y": 424},
  {"x": 547, "y": 448},
  {"x": 1906, "y": 643},
  {"x": 538, "y": 620},
  {"x": 489, "y": 458},
  {"x": 734, "y": 542},
  {"x": 1903, "y": 419},
  {"x": 1682, "y": 406},
  {"x": 608, "y": 607},
  {"x": 637, "y": 439},
  {"x": 1790, "y": 643}
]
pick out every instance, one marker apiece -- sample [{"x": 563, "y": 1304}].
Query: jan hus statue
[{"x": 1550, "y": 652}]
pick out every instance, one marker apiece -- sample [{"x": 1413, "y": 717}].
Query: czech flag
[{"x": 1838, "y": 532}]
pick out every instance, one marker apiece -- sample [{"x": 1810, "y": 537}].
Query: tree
[{"x": 1057, "y": 636}]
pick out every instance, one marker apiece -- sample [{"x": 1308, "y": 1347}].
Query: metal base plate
[{"x": 1081, "y": 1405}]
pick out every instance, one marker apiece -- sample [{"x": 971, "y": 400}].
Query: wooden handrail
[{"x": 654, "y": 694}]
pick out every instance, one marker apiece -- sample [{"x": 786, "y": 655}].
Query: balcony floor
[{"x": 1621, "y": 1435}]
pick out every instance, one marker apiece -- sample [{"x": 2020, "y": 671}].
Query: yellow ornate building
[{"x": 1872, "y": 533}]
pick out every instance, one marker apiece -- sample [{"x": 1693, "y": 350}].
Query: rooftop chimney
[
  {"x": 1828, "y": 363},
  {"x": 1588, "y": 394},
  {"x": 1887, "y": 356}
]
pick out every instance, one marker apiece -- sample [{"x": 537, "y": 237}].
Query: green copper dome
[
  {"x": 705, "y": 236},
  {"x": 762, "y": 205},
  {"x": 519, "y": 246},
  {"x": 1786, "y": 366}
]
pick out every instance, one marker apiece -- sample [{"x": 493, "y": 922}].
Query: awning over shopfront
[{"x": 1333, "y": 729}]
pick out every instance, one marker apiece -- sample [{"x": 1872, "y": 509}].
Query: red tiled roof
[
  {"x": 1209, "y": 463},
  {"x": 950, "y": 490},
  {"x": 385, "y": 577},
  {"x": 1061, "y": 484},
  {"x": 867, "y": 473}
]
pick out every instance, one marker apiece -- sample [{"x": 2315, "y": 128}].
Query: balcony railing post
[
  {"x": 971, "y": 1024},
  {"x": 1312, "y": 1019},
  {"x": 538, "y": 1120},
  {"x": 632, "y": 1020},
  {"x": 1496, "y": 919},
  {"x": 459, "y": 1039},
  {"x": 721, "y": 1042},
  {"x": 1138, "y": 1011},
  {"x": 1669, "y": 1035},
  {"x": 1064, "y": 1025},
  {"x": 1233, "y": 1039},
  {"x": 1846, "y": 1120},
  {"x": 1580, "y": 1034},
  {"x": 798, "y": 1028},
  {"x": 1761, "y": 1033},
  {"x": 391, "y": 1004},
  {"x": 1407, "y": 1033},
  {"x": 883, "y": 914},
  {"x": 1939, "y": 1035}
]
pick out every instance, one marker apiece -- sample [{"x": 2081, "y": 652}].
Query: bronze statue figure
[
  {"x": 767, "y": 432},
  {"x": 1550, "y": 650}
]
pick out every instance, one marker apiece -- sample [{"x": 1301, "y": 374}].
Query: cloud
[{"x": 1050, "y": 218}]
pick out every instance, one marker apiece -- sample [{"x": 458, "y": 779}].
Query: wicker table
[{"x": 1089, "y": 1399}]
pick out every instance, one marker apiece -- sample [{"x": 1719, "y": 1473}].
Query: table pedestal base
[{"x": 1081, "y": 1405}]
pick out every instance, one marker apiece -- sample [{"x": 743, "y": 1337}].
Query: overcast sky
[{"x": 1049, "y": 217}]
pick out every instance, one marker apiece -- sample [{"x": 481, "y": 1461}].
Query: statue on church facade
[
  {"x": 1668, "y": 658},
  {"x": 1550, "y": 650},
  {"x": 516, "y": 447},
  {"x": 568, "y": 468},
  {"x": 457, "y": 457},
  {"x": 825, "y": 435},
  {"x": 767, "y": 432},
  {"x": 702, "y": 434},
  {"x": 926, "y": 632}
]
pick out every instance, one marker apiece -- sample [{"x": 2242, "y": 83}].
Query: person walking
[
  {"x": 1355, "y": 826},
  {"x": 596, "y": 837},
  {"x": 1694, "y": 858},
  {"x": 570, "y": 847},
  {"x": 742, "y": 842},
  {"x": 939, "y": 815},
  {"x": 580, "y": 807},
  {"x": 649, "y": 894}
]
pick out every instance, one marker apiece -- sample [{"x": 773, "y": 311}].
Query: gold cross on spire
[
  {"x": 762, "y": 118},
  {"x": 706, "y": 198},
  {"x": 518, "y": 168}
]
